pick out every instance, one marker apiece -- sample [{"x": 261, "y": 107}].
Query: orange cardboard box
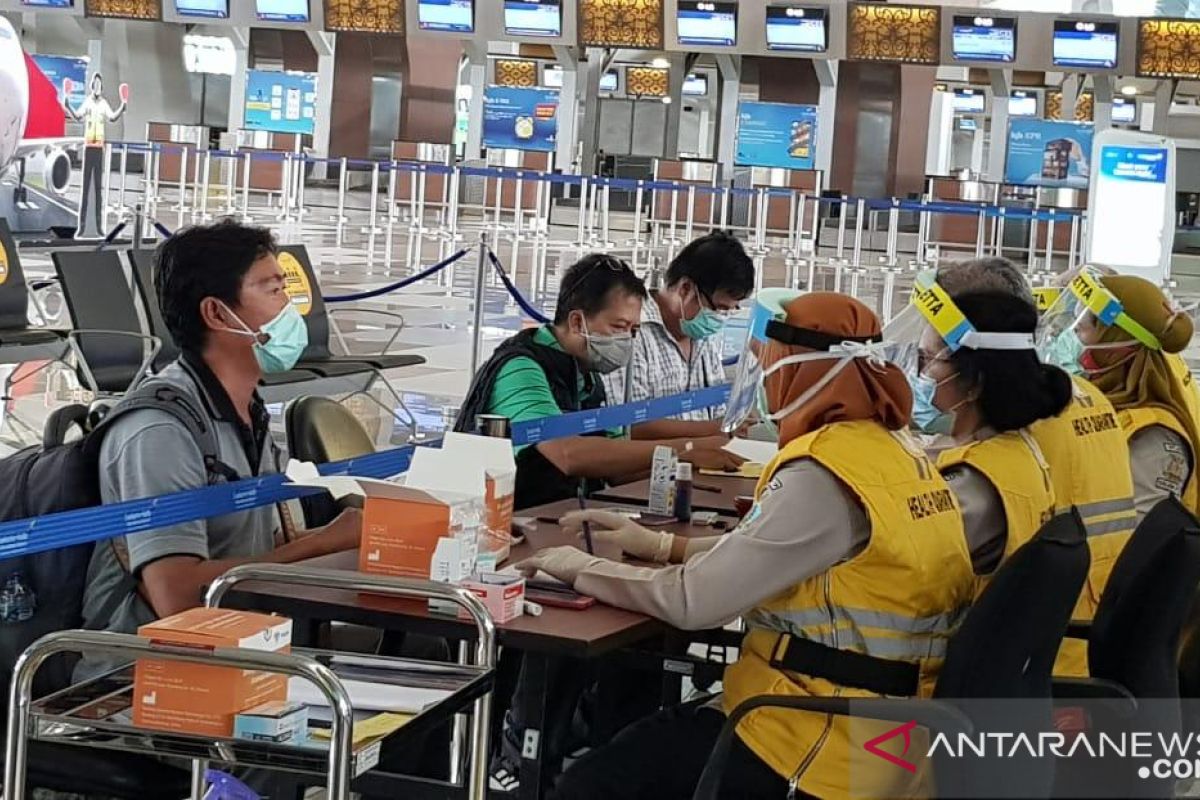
[
  {"x": 500, "y": 471},
  {"x": 196, "y": 698},
  {"x": 402, "y": 523}
]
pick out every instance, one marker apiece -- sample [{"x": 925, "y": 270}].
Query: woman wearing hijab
[
  {"x": 877, "y": 574},
  {"x": 1126, "y": 341},
  {"x": 982, "y": 382},
  {"x": 1084, "y": 448}
]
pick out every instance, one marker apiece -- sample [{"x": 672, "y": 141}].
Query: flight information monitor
[
  {"x": 533, "y": 17},
  {"x": 968, "y": 101},
  {"x": 707, "y": 23},
  {"x": 552, "y": 78},
  {"x": 202, "y": 8},
  {"x": 1124, "y": 112},
  {"x": 282, "y": 10},
  {"x": 1022, "y": 104},
  {"x": 48, "y": 3},
  {"x": 695, "y": 85},
  {"x": 448, "y": 16},
  {"x": 984, "y": 38},
  {"x": 1085, "y": 44},
  {"x": 797, "y": 28}
]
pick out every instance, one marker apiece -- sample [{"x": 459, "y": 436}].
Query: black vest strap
[{"x": 878, "y": 675}]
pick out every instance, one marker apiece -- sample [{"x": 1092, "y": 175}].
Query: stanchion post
[
  {"x": 106, "y": 178},
  {"x": 691, "y": 214},
  {"x": 204, "y": 189},
  {"x": 480, "y": 280},
  {"x": 1001, "y": 222},
  {"x": 980, "y": 231},
  {"x": 893, "y": 237},
  {"x": 1072, "y": 255},
  {"x": 138, "y": 233},
  {"x": 859, "y": 213},
  {"x": 1050, "y": 243},
  {"x": 843, "y": 213},
  {"x": 124, "y": 174},
  {"x": 246, "y": 186}
]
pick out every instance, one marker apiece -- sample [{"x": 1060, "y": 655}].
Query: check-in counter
[
  {"x": 531, "y": 190},
  {"x": 266, "y": 174},
  {"x": 672, "y": 206},
  {"x": 431, "y": 186},
  {"x": 781, "y": 210},
  {"x": 191, "y": 139}
]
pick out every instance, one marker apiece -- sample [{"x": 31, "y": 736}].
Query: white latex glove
[
  {"x": 609, "y": 526},
  {"x": 564, "y": 563}
]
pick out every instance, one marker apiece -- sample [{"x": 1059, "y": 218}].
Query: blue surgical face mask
[
  {"x": 279, "y": 343},
  {"x": 1065, "y": 351},
  {"x": 706, "y": 323},
  {"x": 925, "y": 415}
]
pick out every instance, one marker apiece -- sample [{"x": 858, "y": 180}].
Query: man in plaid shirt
[{"x": 679, "y": 346}]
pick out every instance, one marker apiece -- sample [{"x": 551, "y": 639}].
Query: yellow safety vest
[
  {"x": 1089, "y": 467},
  {"x": 900, "y": 599},
  {"x": 1138, "y": 419},
  {"x": 1014, "y": 465}
]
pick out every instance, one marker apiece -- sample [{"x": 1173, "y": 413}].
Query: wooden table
[
  {"x": 638, "y": 493},
  {"x": 588, "y": 634}
]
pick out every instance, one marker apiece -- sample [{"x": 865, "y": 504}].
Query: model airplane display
[{"x": 35, "y": 170}]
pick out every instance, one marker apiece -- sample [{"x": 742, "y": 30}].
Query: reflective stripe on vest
[
  {"x": 1089, "y": 466},
  {"x": 916, "y": 549}
]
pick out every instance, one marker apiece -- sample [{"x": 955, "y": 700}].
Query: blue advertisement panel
[
  {"x": 776, "y": 135},
  {"x": 56, "y": 68},
  {"x": 520, "y": 119},
  {"x": 281, "y": 102},
  {"x": 1047, "y": 153}
]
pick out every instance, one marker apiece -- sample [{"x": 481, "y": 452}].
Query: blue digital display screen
[
  {"x": 776, "y": 135},
  {"x": 202, "y": 8},
  {"x": 984, "y": 38},
  {"x": 707, "y": 24},
  {"x": 283, "y": 102},
  {"x": 282, "y": 10},
  {"x": 48, "y": 3},
  {"x": 448, "y": 16},
  {"x": 796, "y": 28},
  {"x": 533, "y": 17},
  {"x": 1085, "y": 44}
]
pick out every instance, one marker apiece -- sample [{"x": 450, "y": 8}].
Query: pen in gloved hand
[{"x": 587, "y": 526}]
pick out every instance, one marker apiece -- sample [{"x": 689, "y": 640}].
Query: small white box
[{"x": 502, "y": 594}]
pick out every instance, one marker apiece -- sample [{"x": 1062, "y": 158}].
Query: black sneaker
[{"x": 504, "y": 776}]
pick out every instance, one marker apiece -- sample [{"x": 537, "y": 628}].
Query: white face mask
[{"x": 843, "y": 353}]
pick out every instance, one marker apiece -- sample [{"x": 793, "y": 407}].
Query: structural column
[
  {"x": 1001, "y": 90},
  {"x": 730, "y": 70},
  {"x": 827, "y": 80},
  {"x": 477, "y": 78},
  {"x": 325, "y": 44},
  {"x": 589, "y": 134},
  {"x": 567, "y": 149}
]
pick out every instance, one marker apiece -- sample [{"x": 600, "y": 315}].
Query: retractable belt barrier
[
  {"x": 401, "y": 284},
  {"x": 81, "y": 526},
  {"x": 966, "y": 208}
]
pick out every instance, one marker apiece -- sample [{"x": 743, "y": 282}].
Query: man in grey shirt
[{"x": 223, "y": 298}]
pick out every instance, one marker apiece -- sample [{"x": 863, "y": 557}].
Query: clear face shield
[
  {"x": 1073, "y": 322},
  {"x": 748, "y": 394},
  {"x": 927, "y": 333}
]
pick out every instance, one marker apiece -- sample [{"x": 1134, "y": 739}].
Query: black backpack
[{"x": 56, "y": 476}]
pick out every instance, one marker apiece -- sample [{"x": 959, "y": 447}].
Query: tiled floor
[{"x": 437, "y": 310}]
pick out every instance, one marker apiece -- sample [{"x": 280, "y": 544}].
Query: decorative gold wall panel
[
  {"x": 1168, "y": 48},
  {"x": 621, "y": 23},
  {"x": 365, "y": 16},
  {"x": 125, "y": 9},
  {"x": 908, "y": 34},
  {"x": 1084, "y": 106},
  {"x": 647, "y": 81},
  {"x": 511, "y": 72}
]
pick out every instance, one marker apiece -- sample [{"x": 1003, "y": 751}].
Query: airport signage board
[
  {"x": 519, "y": 118},
  {"x": 56, "y": 68},
  {"x": 1131, "y": 201},
  {"x": 776, "y": 135},
  {"x": 281, "y": 102},
  {"x": 1048, "y": 153}
]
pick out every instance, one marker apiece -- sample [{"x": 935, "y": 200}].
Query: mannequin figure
[{"x": 94, "y": 112}]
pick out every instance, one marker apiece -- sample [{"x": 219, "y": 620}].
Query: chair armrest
[
  {"x": 147, "y": 358},
  {"x": 34, "y": 288},
  {"x": 1079, "y": 629},
  {"x": 1089, "y": 689},
  {"x": 933, "y": 715},
  {"x": 337, "y": 331}
]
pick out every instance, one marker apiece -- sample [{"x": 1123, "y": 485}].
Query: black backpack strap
[{"x": 162, "y": 396}]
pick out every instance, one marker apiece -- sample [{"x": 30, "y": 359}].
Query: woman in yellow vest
[
  {"x": 851, "y": 572},
  {"x": 976, "y": 375},
  {"x": 1084, "y": 449},
  {"x": 1123, "y": 333}
]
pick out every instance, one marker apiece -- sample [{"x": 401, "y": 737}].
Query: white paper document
[
  {"x": 751, "y": 450},
  {"x": 366, "y": 696}
]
